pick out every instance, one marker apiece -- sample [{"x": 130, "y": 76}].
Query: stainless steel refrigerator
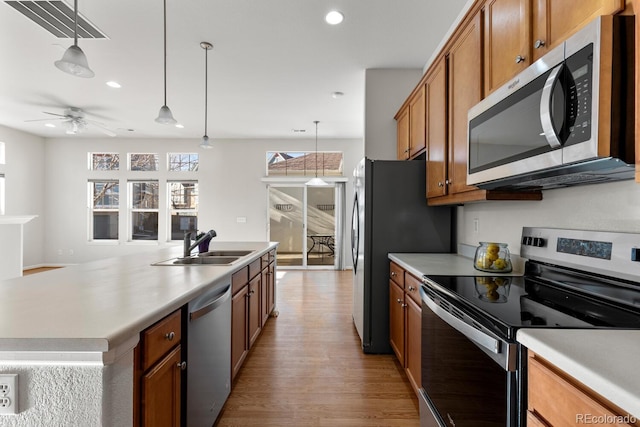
[{"x": 390, "y": 214}]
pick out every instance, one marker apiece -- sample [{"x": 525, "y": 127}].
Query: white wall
[
  {"x": 606, "y": 207},
  {"x": 385, "y": 92},
  {"x": 230, "y": 187},
  {"x": 25, "y": 194}
]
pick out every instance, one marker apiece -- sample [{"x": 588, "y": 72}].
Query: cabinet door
[
  {"x": 413, "y": 342},
  {"x": 507, "y": 35},
  {"x": 465, "y": 85},
  {"x": 436, "y": 124},
  {"x": 239, "y": 328},
  {"x": 396, "y": 320},
  {"x": 264, "y": 297},
  {"x": 255, "y": 322},
  {"x": 554, "y": 21},
  {"x": 402, "y": 122},
  {"x": 161, "y": 392},
  {"x": 417, "y": 123}
]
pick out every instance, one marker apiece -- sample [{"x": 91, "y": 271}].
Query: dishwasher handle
[{"x": 211, "y": 305}]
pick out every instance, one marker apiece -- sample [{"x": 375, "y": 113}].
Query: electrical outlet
[{"x": 8, "y": 394}]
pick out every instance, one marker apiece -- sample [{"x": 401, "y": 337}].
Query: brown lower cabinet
[
  {"x": 253, "y": 301},
  {"x": 557, "y": 399},
  {"x": 405, "y": 322},
  {"x": 158, "y": 374}
]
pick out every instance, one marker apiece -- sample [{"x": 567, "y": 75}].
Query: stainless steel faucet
[{"x": 188, "y": 247}]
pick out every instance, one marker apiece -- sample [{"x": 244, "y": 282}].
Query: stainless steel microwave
[{"x": 567, "y": 119}]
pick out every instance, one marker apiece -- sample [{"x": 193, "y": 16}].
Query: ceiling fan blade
[
  {"x": 54, "y": 114},
  {"x": 46, "y": 120},
  {"x": 102, "y": 128}
]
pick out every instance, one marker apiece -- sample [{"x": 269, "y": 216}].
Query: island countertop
[{"x": 99, "y": 306}]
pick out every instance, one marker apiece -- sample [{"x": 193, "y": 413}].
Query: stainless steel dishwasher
[{"x": 209, "y": 355}]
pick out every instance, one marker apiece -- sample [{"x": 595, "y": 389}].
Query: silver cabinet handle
[
  {"x": 539, "y": 43},
  {"x": 182, "y": 365},
  {"x": 393, "y": 274},
  {"x": 519, "y": 59},
  {"x": 170, "y": 336},
  {"x": 440, "y": 184},
  {"x": 411, "y": 288}
]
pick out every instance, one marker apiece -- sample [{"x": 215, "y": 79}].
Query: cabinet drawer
[
  {"x": 239, "y": 279},
  {"x": 396, "y": 273},
  {"x": 560, "y": 400},
  {"x": 254, "y": 268},
  {"x": 160, "y": 338},
  {"x": 412, "y": 287}
]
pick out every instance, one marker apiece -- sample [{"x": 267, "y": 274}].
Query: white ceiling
[{"x": 273, "y": 68}]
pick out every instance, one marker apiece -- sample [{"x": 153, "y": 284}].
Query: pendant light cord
[
  {"x": 75, "y": 30},
  {"x": 165, "y": 52},
  {"x": 206, "y": 80}
]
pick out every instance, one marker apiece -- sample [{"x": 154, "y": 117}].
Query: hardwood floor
[{"x": 307, "y": 368}]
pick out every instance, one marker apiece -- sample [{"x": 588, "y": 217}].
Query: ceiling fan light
[
  {"x": 74, "y": 62},
  {"x": 205, "y": 142},
  {"x": 165, "y": 116}
]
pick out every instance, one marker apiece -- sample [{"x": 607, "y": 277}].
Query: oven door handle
[{"x": 478, "y": 337}]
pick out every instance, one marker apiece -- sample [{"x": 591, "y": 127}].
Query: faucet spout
[{"x": 188, "y": 247}]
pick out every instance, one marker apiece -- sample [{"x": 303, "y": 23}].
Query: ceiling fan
[{"x": 75, "y": 122}]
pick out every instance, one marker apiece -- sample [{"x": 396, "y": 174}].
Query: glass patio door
[{"x": 302, "y": 219}]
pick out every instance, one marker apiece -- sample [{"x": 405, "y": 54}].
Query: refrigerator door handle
[{"x": 355, "y": 232}]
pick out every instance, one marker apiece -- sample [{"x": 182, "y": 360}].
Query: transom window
[
  {"x": 299, "y": 163},
  {"x": 104, "y": 162},
  {"x": 183, "y": 162},
  {"x": 143, "y": 162}
]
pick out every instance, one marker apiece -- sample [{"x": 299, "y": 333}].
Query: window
[
  {"x": 304, "y": 163},
  {"x": 104, "y": 162},
  {"x": 2, "y": 179},
  {"x": 183, "y": 162},
  {"x": 143, "y": 162},
  {"x": 183, "y": 209},
  {"x": 144, "y": 210},
  {"x": 105, "y": 206}
]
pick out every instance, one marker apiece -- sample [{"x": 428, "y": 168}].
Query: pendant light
[
  {"x": 165, "y": 116},
  {"x": 316, "y": 182},
  {"x": 207, "y": 47},
  {"x": 74, "y": 61}
]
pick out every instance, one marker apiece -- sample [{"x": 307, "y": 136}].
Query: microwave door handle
[
  {"x": 546, "y": 119},
  {"x": 478, "y": 337}
]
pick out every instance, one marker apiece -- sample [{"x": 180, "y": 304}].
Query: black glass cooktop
[{"x": 506, "y": 303}]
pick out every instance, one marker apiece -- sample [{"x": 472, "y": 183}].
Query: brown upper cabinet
[
  {"x": 411, "y": 127},
  {"x": 506, "y": 41},
  {"x": 554, "y": 21},
  {"x": 518, "y": 32}
]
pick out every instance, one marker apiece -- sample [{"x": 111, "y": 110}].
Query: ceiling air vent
[{"x": 57, "y": 18}]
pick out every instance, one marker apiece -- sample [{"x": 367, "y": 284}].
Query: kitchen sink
[
  {"x": 200, "y": 260},
  {"x": 229, "y": 253}
]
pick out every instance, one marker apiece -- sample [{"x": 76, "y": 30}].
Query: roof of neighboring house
[{"x": 326, "y": 161}]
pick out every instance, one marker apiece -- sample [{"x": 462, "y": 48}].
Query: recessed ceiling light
[
  {"x": 50, "y": 125},
  {"x": 337, "y": 94},
  {"x": 114, "y": 85},
  {"x": 179, "y": 126},
  {"x": 334, "y": 17}
]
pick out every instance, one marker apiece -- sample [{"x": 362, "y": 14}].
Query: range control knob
[{"x": 539, "y": 242}]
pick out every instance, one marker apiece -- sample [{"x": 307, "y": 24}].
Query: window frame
[{"x": 92, "y": 209}]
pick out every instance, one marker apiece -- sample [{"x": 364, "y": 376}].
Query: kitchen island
[{"x": 70, "y": 333}]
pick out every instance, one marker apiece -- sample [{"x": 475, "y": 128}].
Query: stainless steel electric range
[{"x": 473, "y": 370}]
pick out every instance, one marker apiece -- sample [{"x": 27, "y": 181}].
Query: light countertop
[
  {"x": 100, "y": 305},
  {"x": 436, "y": 264},
  {"x": 606, "y": 361}
]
